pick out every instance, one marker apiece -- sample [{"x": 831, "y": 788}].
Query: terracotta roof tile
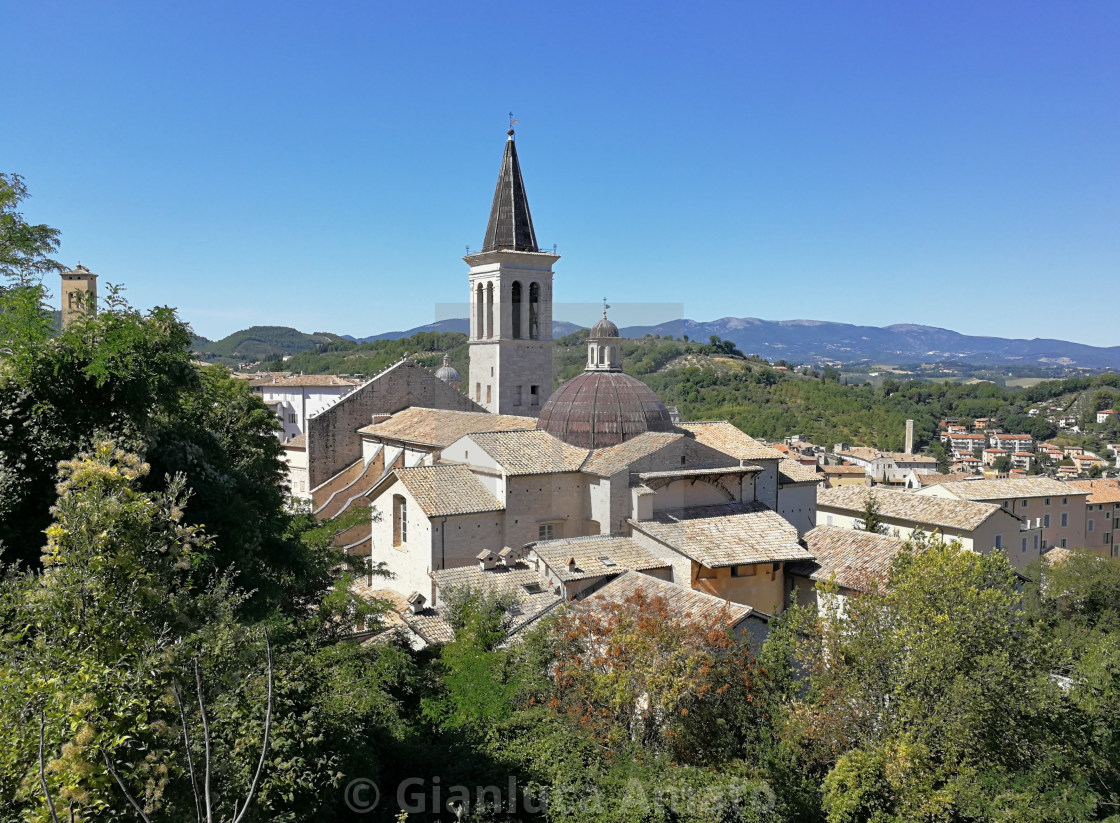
[
  {"x": 793, "y": 472},
  {"x": 1011, "y": 489},
  {"x": 856, "y": 558},
  {"x": 924, "y": 509},
  {"x": 530, "y": 452},
  {"x": 440, "y": 428},
  {"x": 683, "y": 603},
  {"x": 722, "y": 436},
  {"x": 445, "y": 491},
  {"x": 297, "y": 380},
  {"x": 613, "y": 459},
  {"x": 589, "y": 554},
  {"x": 531, "y": 598},
  {"x": 731, "y": 534}
]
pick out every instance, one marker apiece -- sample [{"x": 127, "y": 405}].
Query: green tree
[{"x": 871, "y": 518}]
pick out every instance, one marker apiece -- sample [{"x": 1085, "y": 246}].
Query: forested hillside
[{"x": 259, "y": 343}]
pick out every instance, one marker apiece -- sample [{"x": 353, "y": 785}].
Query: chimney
[
  {"x": 909, "y": 436},
  {"x": 380, "y": 418}
]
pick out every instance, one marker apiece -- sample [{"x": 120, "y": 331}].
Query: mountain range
[{"x": 796, "y": 341}]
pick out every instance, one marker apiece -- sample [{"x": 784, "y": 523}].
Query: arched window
[
  {"x": 489, "y": 310},
  {"x": 602, "y": 354},
  {"x": 594, "y": 360},
  {"x": 515, "y": 299},
  {"x": 534, "y": 311},
  {"x": 400, "y": 520},
  {"x": 479, "y": 319}
]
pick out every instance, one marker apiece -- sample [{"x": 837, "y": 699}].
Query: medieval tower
[
  {"x": 511, "y": 304},
  {"x": 79, "y": 293}
]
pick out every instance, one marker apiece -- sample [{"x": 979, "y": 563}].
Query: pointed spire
[{"x": 511, "y": 225}]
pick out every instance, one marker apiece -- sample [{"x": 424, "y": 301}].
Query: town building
[
  {"x": 846, "y": 475},
  {"x": 294, "y": 398},
  {"x": 854, "y": 561},
  {"x": 1013, "y": 442},
  {"x": 885, "y": 467},
  {"x": 1039, "y": 502},
  {"x": 1102, "y": 515},
  {"x": 980, "y": 527}
]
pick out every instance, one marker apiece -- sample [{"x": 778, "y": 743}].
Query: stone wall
[{"x": 333, "y": 442}]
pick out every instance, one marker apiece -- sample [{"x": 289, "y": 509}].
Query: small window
[
  {"x": 517, "y": 395},
  {"x": 999, "y": 541},
  {"x": 1036, "y": 542},
  {"x": 1065, "y": 519},
  {"x": 488, "y": 394},
  {"x": 1063, "y": 542},
  {"x": 534, "y": 395},
  {"x": 1046, "y": 521},
  {"x": 1046, "y": 501},
  {"x": 292, "y": 417},
  {"x": 477, "y": 392},
  {"x": 1024, "y": 544},
  {"x": 400, "y": 520},
  {"x": 684, "y": 459},
  {"x": 544, "y": 531},
  {"x": 1065, "y": 501},
  {"x": 1088, "y": 525},
  {"x": 1116, "y": 551}
]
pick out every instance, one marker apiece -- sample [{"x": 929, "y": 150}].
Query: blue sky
[{"x": 324, "y": 165}]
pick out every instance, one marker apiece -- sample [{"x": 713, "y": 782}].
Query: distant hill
[
  {"x": 797, "y": 341},
  {"x": 462, "y": 325},
  {"x": 821, "y": 341},
  {"x": 261, "y": 343}
]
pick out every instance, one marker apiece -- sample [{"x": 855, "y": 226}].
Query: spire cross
[{"x": 605, "y": 307}]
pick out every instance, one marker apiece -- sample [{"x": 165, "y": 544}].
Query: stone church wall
[{"x": 332, "y": 439}]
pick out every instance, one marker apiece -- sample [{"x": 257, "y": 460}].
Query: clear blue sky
[{"x": 324, "y": 165}]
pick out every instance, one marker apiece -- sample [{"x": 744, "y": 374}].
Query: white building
[{"x": 296, "y": 397}]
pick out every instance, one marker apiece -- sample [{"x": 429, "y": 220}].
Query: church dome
[
  {"x": 604, "y": 328},
  {"x": 603, "y": 408},
  {"x": 447, "y": 373}
]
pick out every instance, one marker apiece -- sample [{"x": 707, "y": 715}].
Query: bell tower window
[
  {"x": 534, "y": 311},
  {"x": 489, "y": 310},
  {"x": 479, "y": 317},
  {"x": 515, "y": 315}
]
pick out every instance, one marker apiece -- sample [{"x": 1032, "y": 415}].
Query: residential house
[
  {"x": 846, "y": 475},
  {"x": 980, "y": 527},
  {"x": 1105, "y": 415},
  {"x": 855, "y": 561},
  {"x": 296, "y": 397},
  {"x": 1102, "y": 515},
  {"x": 990, "y": 456},
  {"x": 1013, "y": 442},
  {"x": 1022, "y": 460},
  {"x": 1039, "y": 502}
]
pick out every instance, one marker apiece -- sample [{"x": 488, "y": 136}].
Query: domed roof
[
  {"x": 604, "y": 328},
  {"x": 447, "y": 373},
  {"x": 603, "y": 408}
]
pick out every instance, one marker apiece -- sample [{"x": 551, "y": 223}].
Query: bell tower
[
  {"x": 511, "y": 303},
  {"x": 79, "y": 293}
]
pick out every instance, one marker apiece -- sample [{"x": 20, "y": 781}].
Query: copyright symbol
[{"x": 361, "y": 795}]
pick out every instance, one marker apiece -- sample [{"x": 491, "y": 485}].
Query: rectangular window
[
  {"x": 292, "y": 417},
  {"x": 999, "y": 541},
  {"x": 828, "y": 519},
  {"x": 743, "y": 571},
  {"x": 534, "y": 395},
  {"x": 544, "y": 531},
  {"x": 1088, "y": 525},
  {"x": 1025, "y": 502},
  {"x": 517, "y": 395},
  {"x": 477, "y": 392},
  {"x": 1024, "y": 544},
  {"x": 1065, "y": 501},
  {"x": 488, "y": 395},
  {"x": 1046, "y": 501},
  {"x": 1063, "y": 542},
  {"x": 1116, "y": 551},
  {"x": 1046, "y": 522},
  {"x": 1036, "y": 542},
  {"x": 1065, "y": 519},
  {"x": 1108, "y": 538}
]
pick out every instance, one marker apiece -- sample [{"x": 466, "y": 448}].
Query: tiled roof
[
  {"x": 613, "y": 459},
  {"x": 861, "y": 452},
  {"x": 730, "y": 534},
  {"x": 532, "y": 599},
  {"x": 934, "y": 479},
  {"x": 1023, "y": 454},
  {"x": 853, "y": 470},
  {"x": 589, "y": 554},
  {"x": 297, "y": 380},
  {"x": 297, "y": 442},
  {"x": 530, "y": 452},
  {"x": 1100, "y": 491},
  {"x": 1013, "y": 437},
  {"x": 924, "y": 509},
  {"x": 793, "y": 472},
  {"x": 440, "y": 428},
  {"x": 444, "y": 491},
  {"x": 722, "y": 436},
  {"x": 683, "y": 603},
  {"x": 959, "y": 436},
  {"x": 856, "y": 558},
  {"x": 1011, "y": 488}
]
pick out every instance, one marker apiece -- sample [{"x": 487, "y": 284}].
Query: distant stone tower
[
  {"x": 79, "y": 293},
  {"x": 511, "y": 304}
]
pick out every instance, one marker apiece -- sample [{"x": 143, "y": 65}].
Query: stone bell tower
[
  {"x": 79, "y": 294},
  {"x": 511, "y": 304}
]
